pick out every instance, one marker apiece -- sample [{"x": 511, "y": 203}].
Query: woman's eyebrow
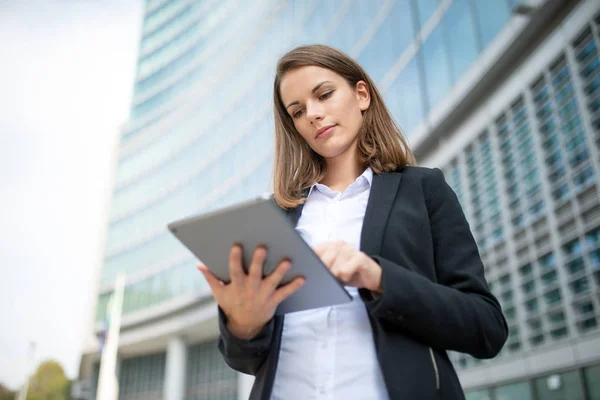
[{"x": 317, "y": 86}]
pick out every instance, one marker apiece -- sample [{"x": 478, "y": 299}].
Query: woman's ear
[{"x": 363, "y": 95}]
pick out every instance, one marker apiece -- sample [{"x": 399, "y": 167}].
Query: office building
[{"x": 502, "y": 95}]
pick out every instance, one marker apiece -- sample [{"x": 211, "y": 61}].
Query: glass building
[{"x": 502, "y": 95}]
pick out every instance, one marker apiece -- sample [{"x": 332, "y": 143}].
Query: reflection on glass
[
  {"x": 491, "y": 17},
  {"x": 392, "y": 38},
  {"x": 592, "y": 381},
  {"x": 483, "y": 394},
  {"x": 461, "y": 37},
  {"x": 515, "y": 391},
  {"x": 426, "y": 9},
  {"x": 437, "y": 70},
  {"x": 559, "y": 387},
  {"x": 346, "y": 34},
  {"x": 404, "y": 98}
]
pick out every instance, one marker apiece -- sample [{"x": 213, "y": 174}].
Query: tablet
[{"x": 261, "y": 222}]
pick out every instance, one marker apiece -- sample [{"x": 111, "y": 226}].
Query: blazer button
[{"x": 399, "y": 318}]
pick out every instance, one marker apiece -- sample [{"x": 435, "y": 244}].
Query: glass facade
[
  {"x": 200, "y": 137},
  {"x": 529, "y": 185},
  {"x": 202, "y": 104},
  {"x": 208, "y": 377},
  {"x": 577, "y": 384}
]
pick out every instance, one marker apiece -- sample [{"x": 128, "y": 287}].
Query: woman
[{"x": 394, "y": 234}]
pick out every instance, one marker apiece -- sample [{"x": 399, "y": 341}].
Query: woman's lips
[{"x": 326, "y": 132}]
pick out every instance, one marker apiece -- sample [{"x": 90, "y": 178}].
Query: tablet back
[{"x": 261, "y": 222}]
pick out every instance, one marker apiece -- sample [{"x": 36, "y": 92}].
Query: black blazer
[{"x": 435, "y": 296}]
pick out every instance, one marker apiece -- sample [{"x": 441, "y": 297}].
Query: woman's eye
[
  {"x": 325, "y": 95},
  {"x": 297, "y": 114}
]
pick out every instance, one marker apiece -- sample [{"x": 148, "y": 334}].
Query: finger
[
  {"x": 214, "y": 283},
  {"x": 320, "y": 249},
  {"x": 346, "y": 269},
  {"x": 285, "y": 291},
  {"x": 236, "y": 272},
  {"x": 329, "y": 257},
  {"x": 275, "y": 277},
  {"x": 256, "y": 266},
  {"x": 345, "y": 275}
]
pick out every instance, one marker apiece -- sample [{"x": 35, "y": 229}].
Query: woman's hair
[{"x": 381, "y": 144}]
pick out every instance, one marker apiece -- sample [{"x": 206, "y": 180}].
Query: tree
[
  {"x": 6, "y": 394},
  {"x": 49, "y": 383}
]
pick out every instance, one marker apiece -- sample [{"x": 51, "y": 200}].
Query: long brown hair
[{"x": 381, "y": 144}]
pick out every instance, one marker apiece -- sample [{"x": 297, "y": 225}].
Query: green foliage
[{"x": 49, "y": 383}]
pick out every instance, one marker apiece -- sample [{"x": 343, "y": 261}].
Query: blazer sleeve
[
  {"x": 246, "y": 356},
  {"x": 457, "y": 312}
]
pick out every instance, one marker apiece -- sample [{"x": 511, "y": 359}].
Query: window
[
  {"x": 142, "y": 376},
  {"x": 392, "y": 38},
  {"x": 550, "y": 278},
  {"x": 491, "y": 17},
  {"x": 404, "y": 98},
  {"x": 482, "y": 394},
  {"x": 576, "y": 266},
  {"x": 585, "y": 176},
  {"x": 559, "y": 333},
  {"x": 436, "y": 66},
  {"x": 526, "y": 270},
  {"x": 580, "y": 286},
  {"x": 426, "y": 9},
  {"x": 559, "y": 386},
  {"x": 552, "y": 297},
  {"x": 571, "y": 248},
  {"x": 561, "y": 193},
  {"x": 592, "y": 380},
  {"x": 208, "y": 376},
  {"x": 547, "y": 260},
  {"x": 537, "y": 339},
  {"x": 529, "y": 287},
  {"x": 532, "y": 306},
  {"x": 593, "y": 238},
  {"x": 514, "y": 391},
  {"x": 557, "y": 318},
  {"x": 461, "y": 35}
]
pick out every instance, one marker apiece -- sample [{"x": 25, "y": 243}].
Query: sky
[{"x": 66, "y": 76}]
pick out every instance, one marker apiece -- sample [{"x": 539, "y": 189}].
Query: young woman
[{"x": 393, "y": 233}]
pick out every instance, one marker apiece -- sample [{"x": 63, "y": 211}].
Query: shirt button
[
  {"x": 323, "y": 344},
  {"x": 322, "y": 390}
]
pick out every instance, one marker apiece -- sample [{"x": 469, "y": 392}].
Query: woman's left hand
[{"x": 350, "y": 266}]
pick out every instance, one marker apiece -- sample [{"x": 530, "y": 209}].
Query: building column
[
  {"x": 174, "y": 388},
  {"x": 245, "y": 383}
]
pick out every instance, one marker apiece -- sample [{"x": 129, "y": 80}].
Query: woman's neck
[{"x": 342, "y": 171}]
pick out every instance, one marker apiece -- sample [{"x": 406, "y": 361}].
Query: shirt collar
[{"x": 366, "y": 177}]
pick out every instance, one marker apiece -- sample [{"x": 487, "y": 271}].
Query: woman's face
[{"x": 326, "y": 110}]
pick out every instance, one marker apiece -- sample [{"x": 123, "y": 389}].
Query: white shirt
[{"x": 328, "y": 352}]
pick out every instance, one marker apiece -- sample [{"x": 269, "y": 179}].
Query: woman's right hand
[{"x": 249, "y": 301}]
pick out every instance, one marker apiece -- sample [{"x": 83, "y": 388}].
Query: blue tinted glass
[
  {"x": 364, "y": 13},
  {"x": 319, "y": 20},
  {"x": 461, "y": 35},
  {"x": 345, "y": 35},
  {"x": 437, "y": 71},
  {"x": 404, "y": 98},
  {"x": 426, "y": 9},
  {"x": 393, "y": 36},
  {"x": 491, "y": 17}
]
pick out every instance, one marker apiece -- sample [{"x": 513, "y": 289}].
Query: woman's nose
[{"x": 314, "y": 112}]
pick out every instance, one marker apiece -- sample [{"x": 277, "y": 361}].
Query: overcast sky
[{"x": 66, "y": 76}]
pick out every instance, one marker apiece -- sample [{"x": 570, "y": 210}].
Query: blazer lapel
[{"x": 383, "y": 192}]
